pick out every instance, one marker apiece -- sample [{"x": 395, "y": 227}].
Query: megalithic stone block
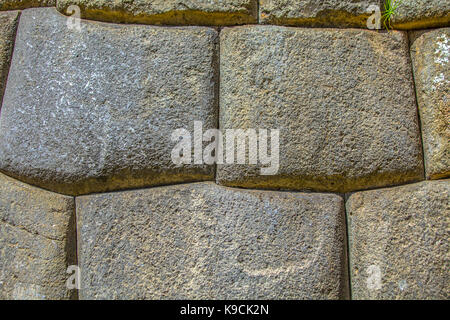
[
  {"x": 203, "y": 241},
  {"x": 430, "y": 54},
  {"x": 23, "y": 4},
  {"x": 342, "y": 100},
  {"x": 420, "y": 14},
  {"x": 37, "y": 242},
  {"x": 331, "y": 13},
  {"x": 8, "y": 27},
  {"x": 167, "y": 12},
  {"x": 399, "y": 245},
  {"x": 93, "y": 109}
]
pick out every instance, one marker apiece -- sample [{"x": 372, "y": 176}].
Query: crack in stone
[{"x": 29, "y": 231}]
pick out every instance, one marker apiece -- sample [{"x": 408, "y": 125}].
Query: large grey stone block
[
  {"x": 167, "y": 12},
  {"x": 37, "y": 242},
  {"x": 23, "y": 4},
  {"x": 418, "y": 14},
  {"x": 8, "y": 27},
  {"x": 430, "y": 54},
  {"x": 203, "y": 241},
  {"x": 399, "y": 244},
  {"x": 93, "y": 110},
  {"x": 330, "y": 13},
  {"x": 343, "y": 100}
]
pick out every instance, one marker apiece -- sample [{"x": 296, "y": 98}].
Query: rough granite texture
[
  {"x": 203, "y": 241},
  {"x": 331, "y": 13},
  {"x": 343, "y": 101},
  {"x": 167, "y": 12},
  {"x": 37, "y": 242},
  {"x": 417, "y": 14},
  {"x": 430, "y": 54},
  {"x": 8, "y": 27},
  {"x": 93, "y": 110},
  {"x": 403, "y": 233},
  {"x": 23, "y": 4}
]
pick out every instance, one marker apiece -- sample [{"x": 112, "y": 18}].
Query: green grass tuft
[{"x": 390, "y": 7}]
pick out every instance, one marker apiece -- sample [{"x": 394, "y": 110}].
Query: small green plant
[{"x": 390, "y": 6}]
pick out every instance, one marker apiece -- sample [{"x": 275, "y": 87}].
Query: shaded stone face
[
  {"x": 167, "y": 12},
  {"x": 37, "y": 242},
  {"x": 203, "y": 241},
  {"x": 23, "y": 4},
  {"x": 430, "y": 54},
  {"x": 399, "y": 242},
  {"x": 8, "y": 26},
  {"x": 343, "y": 101},
  {"x": 417, "y": 14},
  {"x": 331, "y": 13},
  {"x": 93, "y": 110}
]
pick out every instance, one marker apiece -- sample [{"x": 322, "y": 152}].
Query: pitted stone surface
[
  {"x": 37, "y": 242},
  {"x": 203, "y": 241},
  {"x": 343, "y": 101},
  {"x": 417, "y": 14},
  {"x": 93, "y": 110},
  {"x": 8, "y": 27},
  {"x": 430, "y": 54},
  {"x": 399, "y": 246},
  {"x": 23, "y": 4},
  {"x": 331, "y": 13},
  {"x": 167, "y": 12}
]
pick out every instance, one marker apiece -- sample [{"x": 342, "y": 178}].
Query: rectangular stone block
[
  {"x": 203, "y": 241},
  {"x": 23, "y": 4},
  {"x": 93, "y": 109},
  {"x": 399, "y": 245},
  {"x": 430, "y": 54},
  {"x": 418, "y": 14},
  {"x": 342, "y": 100},
  {"x": 331, "y": 13},
  {"x": 8, "y": 27},
  {"x": 167, "y": 12},
  {"x": 37, "y": 242}
]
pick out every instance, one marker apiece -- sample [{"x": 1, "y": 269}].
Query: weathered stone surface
[
  {"x": 23, "y": 4},
  {"x": 332, "y": 13},
  {"x": 8, "y": 26},
  {"x": 416, "y": 14},
  {"x": 37, "y": 242},
  {"x": 168, "y": 12},
  {"x": 203, "y": 241},
  {"x": 93, "y": 110},
  {"x": 430, "y": 54},
  {"x": 343, "y": 100},
  {"x": 399, "y": 246}
]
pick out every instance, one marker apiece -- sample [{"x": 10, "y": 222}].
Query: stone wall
[{"x": 357, "y": 209}]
